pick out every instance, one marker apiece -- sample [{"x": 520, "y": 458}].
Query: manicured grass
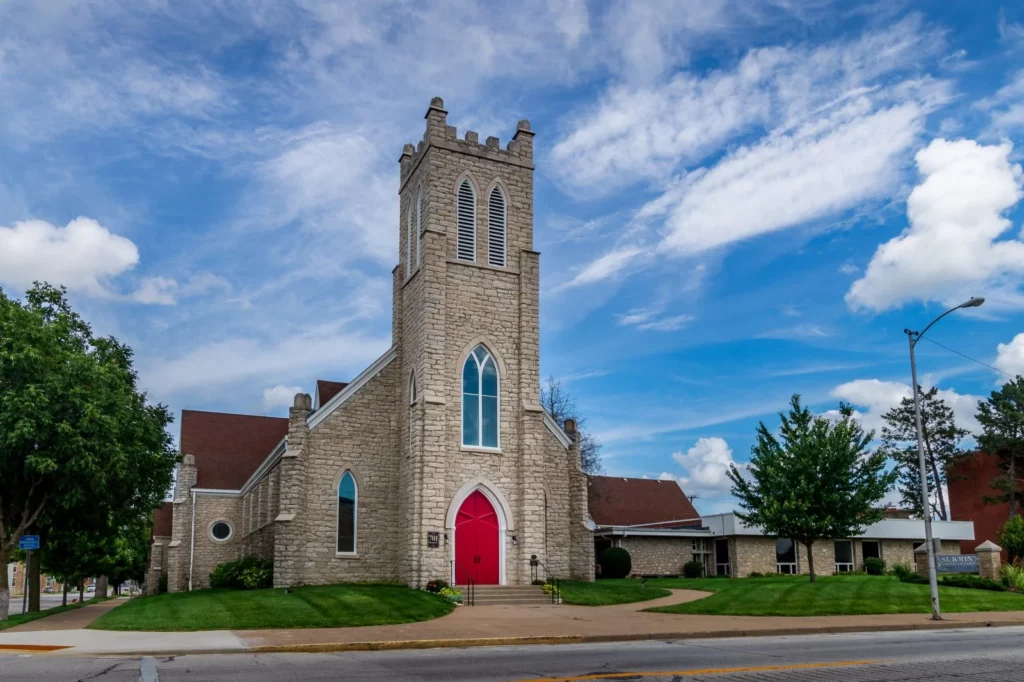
[
  {"x": 829, "y": 596},
  {"x": 606, "y": 592},
  {"x": 21, "y": 619},
  {"x": 327, "y": 606}
]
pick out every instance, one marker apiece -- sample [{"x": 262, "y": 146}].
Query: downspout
[{"x": 192, "y": 542}]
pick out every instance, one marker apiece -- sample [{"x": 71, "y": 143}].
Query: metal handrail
[
  {"x": 469, "y": 598},
  {"x": 552, "y": 580}
]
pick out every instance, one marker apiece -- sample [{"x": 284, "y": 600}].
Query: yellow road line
[{"x": 704, "y": 671}]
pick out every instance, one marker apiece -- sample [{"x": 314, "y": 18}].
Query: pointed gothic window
[
  {"x": 412, "y": 388},
  {"x": 467, "y": 221},
  {"x": 480, "y": 400},
  {"x": 496, "y": 228},
  {"x": 347, "y": 497},
  {"x": 408, "y": 239},
  {"x": 419, "y": 227}
]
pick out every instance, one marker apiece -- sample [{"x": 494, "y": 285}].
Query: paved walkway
[
  {"x": 75, "y": 619},
  {"x": 486, "y": 625}
]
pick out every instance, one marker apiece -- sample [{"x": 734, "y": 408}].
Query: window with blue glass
[
  {"x": 347, "y": 495},
  {"x": 480, "y": 399}
]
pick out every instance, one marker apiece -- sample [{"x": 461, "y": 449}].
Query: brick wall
[{"x": 969, "y": 484}]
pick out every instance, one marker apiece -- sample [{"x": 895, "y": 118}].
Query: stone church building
[{"x": 438, "y": 460}]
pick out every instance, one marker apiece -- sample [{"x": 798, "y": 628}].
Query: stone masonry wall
[
  {"x": 657, "y": 556},
  {"x": 208, "y": 551},
  {"x": 358, "y": 437}
]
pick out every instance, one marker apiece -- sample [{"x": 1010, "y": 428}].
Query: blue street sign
[{"x": 29, "y": 542}]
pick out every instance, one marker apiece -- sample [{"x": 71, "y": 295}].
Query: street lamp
[{"x": 913, "y": 337}]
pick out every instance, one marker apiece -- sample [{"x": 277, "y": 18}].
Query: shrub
[
  {"x": 902, "y": 571},
  {"x": 436, "y": 585},
  {"x": 450, "y": 593},
  {"x": 615, "y": 563},
  {"x": 974, "y": 582},
  {"x": 247, "y": 573},
  {"x": 1013, "y": 575},
  {"x": 1011, "y": 537},
  {"x": 874, "y": 566},
  {"x": 693, "y": 569},
  {"x": 755, "y": 574},
  {"x": 550, "y": 589},
  {"x": 161, "y": 585},
  {"x": 915, "y": 579}
]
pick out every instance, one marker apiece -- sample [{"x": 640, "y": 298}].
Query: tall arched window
[
  {"x": 467, "y": 221},
  {"x": 419, "y": 227},
  {"x": 347, "y": 497},
  {"x": 480, "y": 400},
  {"x": 412, "y": 388},
  {"x": 408, "y": 239},
  {"x": 496, "y": 228}
]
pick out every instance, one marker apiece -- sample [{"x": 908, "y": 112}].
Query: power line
[{"x": 968, "y": 357}]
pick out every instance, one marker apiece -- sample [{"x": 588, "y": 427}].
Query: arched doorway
[{"x": 477, "y": 547}]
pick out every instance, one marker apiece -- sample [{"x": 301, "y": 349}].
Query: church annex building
[{"x": 437, "y": 461}]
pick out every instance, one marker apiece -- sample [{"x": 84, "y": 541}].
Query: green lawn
[
  {"x": 605, "y": 592},
  {"x": 829, "y": 596},
  {"x": 328, "y": 606},
  {"x": 29, "y": 617}
]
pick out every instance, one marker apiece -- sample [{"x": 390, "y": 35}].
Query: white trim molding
[
  {"x": 217, "y": 492},
  {"x": 564, "y": 438},
  {"x": 334, "y": 403}
]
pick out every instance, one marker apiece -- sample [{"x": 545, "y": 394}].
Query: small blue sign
[
  {"x": 29, "y": 542},
  {"x": 956, "y": 563}
]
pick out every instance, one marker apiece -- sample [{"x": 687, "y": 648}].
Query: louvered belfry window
[
  {"x": 496, "y": 232},
  {"x": 467, "y": 221},
  {"x": 419, "y": 226}
]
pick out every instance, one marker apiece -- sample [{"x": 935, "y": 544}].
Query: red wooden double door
[{"x": 476, "y": 542}]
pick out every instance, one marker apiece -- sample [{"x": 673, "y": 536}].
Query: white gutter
[
  {"x": 266, "y": 465},
  {"x": 192, "y": 543}
]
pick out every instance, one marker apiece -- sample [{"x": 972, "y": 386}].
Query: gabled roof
[
  {"x": 616, "y": 501},
  {"x": 163, "y": 518},
  {"x": 325, "y": 390},
  {"x": 228, "y": 447}
]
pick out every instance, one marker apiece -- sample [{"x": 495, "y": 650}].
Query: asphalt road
[{"x": 989, "y": 655}]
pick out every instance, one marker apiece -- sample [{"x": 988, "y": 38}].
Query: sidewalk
[
  {"x": 493, "y": 625},
  {"x": 76, "y": 619}
]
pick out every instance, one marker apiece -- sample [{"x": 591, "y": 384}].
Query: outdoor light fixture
[
  {"x": 515, "y": 541},
  {"x": 913, "y": 337}
]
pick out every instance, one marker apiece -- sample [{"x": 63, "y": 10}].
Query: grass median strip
[
  {"x": 326, "y": 606},
  {"x": 829, "y": 596}
]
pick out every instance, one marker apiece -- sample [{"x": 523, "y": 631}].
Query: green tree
[
  {"x": 1002, "y": 421},
  {"x": 942, "y": 438},
  {"x": 1011, "y": 537},
  {"x": 815, "y": 481},
  {"x": 561, "y": 406},
  {"x": 75, "y": 432}
]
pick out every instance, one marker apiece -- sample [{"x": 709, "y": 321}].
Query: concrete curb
[{"x": 587, "y": 639}]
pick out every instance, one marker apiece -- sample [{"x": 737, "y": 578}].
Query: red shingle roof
[
  {"x": 162, "y": 519},
  {"x": 616, "y": 501},
  {"x": 328, "y": 389},
  {"x": 228, "y": 447}
]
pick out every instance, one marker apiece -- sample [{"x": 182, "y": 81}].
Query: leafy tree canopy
[
  {"x": 75, "y": 432},
  {"x": 813, "y": 481},
  {"x": 1002, "y": 421}
]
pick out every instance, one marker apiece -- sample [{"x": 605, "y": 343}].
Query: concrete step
[{"x": 511, "y": 595}]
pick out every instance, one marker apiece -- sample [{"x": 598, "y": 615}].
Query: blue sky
[{"x": 735, "y": 201}]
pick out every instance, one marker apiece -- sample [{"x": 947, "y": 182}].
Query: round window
[{"x": 221, "y": 530}]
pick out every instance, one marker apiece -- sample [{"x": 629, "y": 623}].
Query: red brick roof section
[
  {"x": 228, "y": 447},
  {"x": 162, "y": 518},
  {"x": 328, "y": 389},
  {"x": 634, "y": 501}
]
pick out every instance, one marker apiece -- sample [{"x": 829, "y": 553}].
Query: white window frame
[
  {"x": 231, "y": 530},
  {"x": 720, "y": 564},
  {"x": 793, "y": 566},
  {"x": 458, "y": 220},
  {"x": 700, "y": 552},
  {"x": 480, "y": 403},
  {"x": 355, "y": 515},
  {"x": 862, "y": 557},
  {"x": 844, "y": 567},
  {"x": 504, "y": 228}
]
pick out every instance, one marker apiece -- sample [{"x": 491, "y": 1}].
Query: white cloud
[
  {"x": 1006, "y": 106},
  {"x": 605, "y": 267},
  {"x": 83, "y": 255},
  {"x": 651, "y": 319},
  {"x": 1010, "y": 356},
  {"x": 877, "y": 397},
  {"x": 705, "y": 466},
  {"x": 950, "y": 249},
  {"x": 278, "y": 398}
]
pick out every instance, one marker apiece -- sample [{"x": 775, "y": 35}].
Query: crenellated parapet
[{"x": 518, "y": 152}]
